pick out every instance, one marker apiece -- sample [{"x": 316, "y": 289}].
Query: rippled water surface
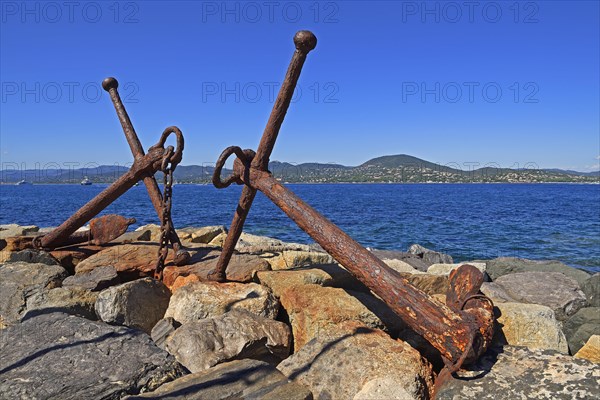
[{"x": 467, "y": 221}]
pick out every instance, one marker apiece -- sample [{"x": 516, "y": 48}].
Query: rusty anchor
[
  {"x": 145, "y": 165},
  {"x": 461, "y": 330}
]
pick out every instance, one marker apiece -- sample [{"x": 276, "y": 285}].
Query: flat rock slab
[
  {"x": 132, "y": 259},
  {"x": 19, "y": 281},
  {"x": 198, "y": 300},
  {"x": 95, "y": 280},
  {"x": 552, "y": 289},
  {"x": 339, "y": 368},
  {"x": 509, "y": 265},
  {"x": 240, "y": 379},
  {"x": 518, "y": 373},
  {"x": 58, "y": 356},
  {"x": 331, "y": 275},
  {"x": 33, "y": 256},
  {"x": 241, "y": 267},
  {"x": 236, "y": 334}
]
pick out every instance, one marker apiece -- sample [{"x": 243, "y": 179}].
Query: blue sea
[{"x": 467, "y": 221}]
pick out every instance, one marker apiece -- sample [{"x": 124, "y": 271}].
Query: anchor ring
[{"x": 216, "y": 180}]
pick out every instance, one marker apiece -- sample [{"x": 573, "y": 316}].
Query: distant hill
[{"x": 386, "y": 169}]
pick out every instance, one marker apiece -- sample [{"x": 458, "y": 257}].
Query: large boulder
[
  {"x": 553, "y": 289},
  {"x": 581, "y": 326},
  {"x": 340, "y": 367},
  {"x": 237, "y": 334},
  {"x": 519, "y": 373},
  {"x": 530, "y": 325},
  {"x": 95, "y": 280},
  {"x": 240, "y": 379},
  {"x": 19, "y": 281},
  {"x": 591, "y": 350},
  {"x": 509, "y": 265},
  {"x": 198, "y": 300},
  {"x": 591, "y": 288},
  {"x": 318, "y": 312},
  {"x": 67, "y": 300},
  {"x": 241, "y": 267},
  {"x": 58, "y": 356},
  {"x": 139, "y": 304}
]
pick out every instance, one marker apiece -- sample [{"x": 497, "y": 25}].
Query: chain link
[{"x": 165, "y": 223}]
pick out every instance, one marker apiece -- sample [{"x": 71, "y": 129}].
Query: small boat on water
[
  {"x": 86, "y": 181},
  {"x": 23, "y": 182}
]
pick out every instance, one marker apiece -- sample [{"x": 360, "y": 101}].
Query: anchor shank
[
  {"x": 442, "y": 327},
  {"x": 111, "y": 85},
  {"x": 304, "y": 41}
]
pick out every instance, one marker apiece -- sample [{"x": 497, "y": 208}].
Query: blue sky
[{"x": 511, "y": 84}]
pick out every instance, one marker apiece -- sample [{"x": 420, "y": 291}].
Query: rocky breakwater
[{"x": 291, "y": 323}]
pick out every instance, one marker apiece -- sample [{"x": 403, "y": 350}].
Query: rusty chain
[{"x": 166, "y": 202}]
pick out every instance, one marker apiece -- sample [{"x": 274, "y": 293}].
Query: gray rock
[
  {"x": 162, "y": 330},
  {"x": 72, "y": 301},
  {"x": 138, "y": 304},
  {"x": 339, "y": 368},
  {"x": 97, "y": 279},
  {"x": 33, "y": 256},
  {"x": 199, "y": 300},
  {"x": 509, "y": 265},
  {"x": 58, "y": 356},
  {"x": 518, "y": 373},
  {"x": 240, "y": 379},
  {"x": 19, "y": 281},
  {"x": 429, "y": 256},
  {"x": 553, "y": 289},
  {"x": 237, "y": 334},
  {"x": 581, "y": 326},
  {"x": 591, "y": 288}
]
